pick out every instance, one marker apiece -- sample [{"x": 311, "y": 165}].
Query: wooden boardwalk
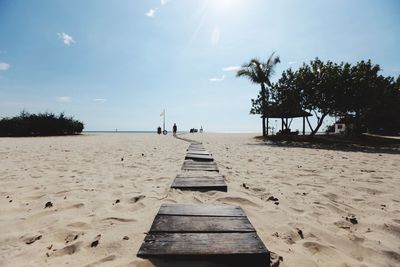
[
  {"x": 202, "y": 235},
  {"x": 216, "y": 234}
]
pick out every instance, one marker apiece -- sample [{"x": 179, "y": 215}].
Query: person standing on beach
[{"x": 174, "y": 129}]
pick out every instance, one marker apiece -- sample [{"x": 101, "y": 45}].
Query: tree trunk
[
  {"x": 319, "y": 124},
  {"x": 263, "y": 127},
  {"x": 263, "y": 107}
]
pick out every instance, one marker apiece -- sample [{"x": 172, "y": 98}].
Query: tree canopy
[
  {"x": 260, "y": 73},
  {"x": 338, "y": 89}
]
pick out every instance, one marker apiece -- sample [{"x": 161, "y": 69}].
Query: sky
[{"x": 118, "y": 64}]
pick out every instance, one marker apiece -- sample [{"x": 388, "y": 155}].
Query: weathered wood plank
[
  {"x": 198, "y": 152},
  {"x": 219, "y": 235},
  {"x": 203, "y": 224},
  {"x": 200, "y": 180},
  {"x": 199, "y": 157},
  {"x": 176, "y": 244},
  {"x": 200, "y": 184},
  {"x": 200, "y": 176},
  {"x": 200, "y": 146},
  {"x": 196, "y": 149},
  {"x": 200, "y": 168},
  {"x": 194, "y": 180},
  {"x": 201, "y": 210},
  {"x": 192, "y": 162}
]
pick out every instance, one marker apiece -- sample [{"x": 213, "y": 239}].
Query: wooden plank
[
  {"x": 200, "y": 180},
  {"x": 192, "y": 244},
  {"x": 203, "y": 224},
  {"x": 200, "y": 168},
  {"x": 201, "y": 210},
  {"x": 201, "y": 234},
  {"x": 197, "y": 176},
  {"x": 192, "y": 162},
  {"x": 199, "y": 165},
  {"x": 198, "y": 152},
  {"x": 194, "y": 180},
  {"x": 196, "y": 149},
  {"x": 199, "y": 157},
  {"x": 200, "y": 184}
]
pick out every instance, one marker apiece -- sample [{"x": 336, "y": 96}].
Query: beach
[{"x": 88, "y": 200}]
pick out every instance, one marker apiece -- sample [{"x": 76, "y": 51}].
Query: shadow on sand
[{"x": 365, "y": 143}]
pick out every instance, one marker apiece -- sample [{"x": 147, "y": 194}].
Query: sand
[{"x": 330, "y": 207}]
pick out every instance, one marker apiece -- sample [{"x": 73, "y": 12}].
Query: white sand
[{"x": 83, "y": 177}]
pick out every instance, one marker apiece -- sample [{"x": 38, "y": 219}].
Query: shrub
[{"x": 42, "y": 124}]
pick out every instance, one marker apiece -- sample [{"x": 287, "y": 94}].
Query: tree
[
  {"x": 260, "y": 73},
  {"x": 286, "y": 96},
  {"x": 358, "y": 91},
  {"x": 323, "y": 88}
]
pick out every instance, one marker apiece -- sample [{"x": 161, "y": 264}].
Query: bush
[{"x": 43, "y": 124}]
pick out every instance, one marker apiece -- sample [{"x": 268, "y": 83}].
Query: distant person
[
  {"x": 159, "y": 130},
  {"x": 201, "y": 129},
  {"x": 174, "y": 129}
]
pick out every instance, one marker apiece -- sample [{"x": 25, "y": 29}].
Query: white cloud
[
  {"x": 292, "y": 62},
  {"x": 217, "y": 79},
  {"x": 63, "y": 99},
  {"x": 231, "y": 68},
  {"x": 151, "y": 12},
  {"x": 215, "y": 36},
  {"x": 4, "y": 66},
  {"x": 67, "y": 39},
  {"x": 100, "y": 100},
  {"x": 163, "y": 2}
]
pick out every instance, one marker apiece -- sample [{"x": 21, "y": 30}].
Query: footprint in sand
[
  {"x": 71, "y": 237},
  {"x": 32, "y": 239},
  {"x": 68, "y": 250},
  {"x": 136, "y": 199}
]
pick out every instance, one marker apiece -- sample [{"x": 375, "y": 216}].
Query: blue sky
[{"x": 118, "y": 64}]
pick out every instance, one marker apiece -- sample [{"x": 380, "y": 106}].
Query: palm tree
[{"x": 260, "y": 73}]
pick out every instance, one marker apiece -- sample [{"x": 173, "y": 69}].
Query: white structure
[{"x": 340, "y": 128}]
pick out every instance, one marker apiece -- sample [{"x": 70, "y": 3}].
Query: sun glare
[{"x": 225, "y": 5}]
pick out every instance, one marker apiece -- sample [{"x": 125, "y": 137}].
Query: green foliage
[
  {"x": 260, "y": 73},
  {"x": 42, "y": 124},
  {"x": 328, "y": 88}
]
